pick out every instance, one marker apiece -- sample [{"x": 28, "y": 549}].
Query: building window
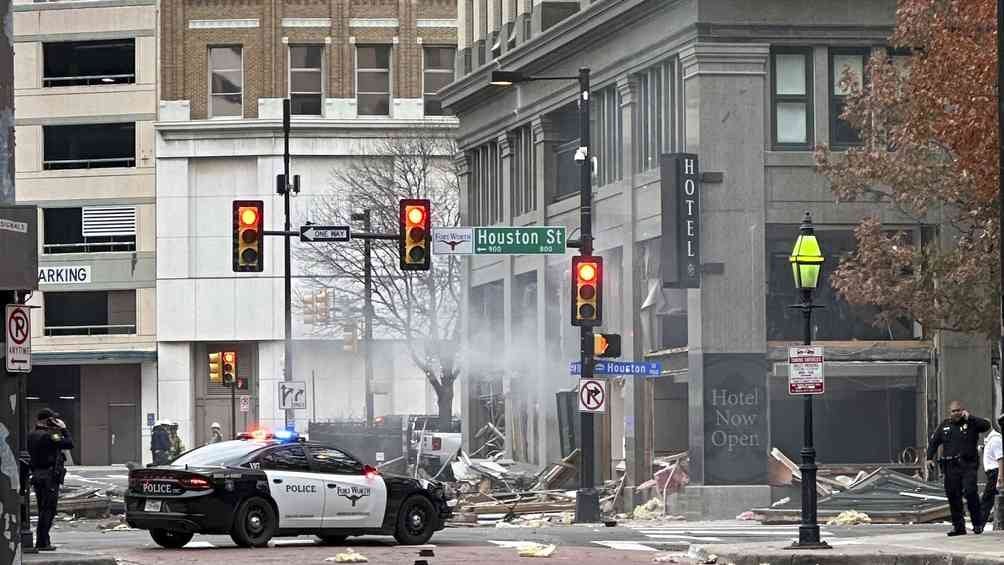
[
  {"x": 438, "y": 72},
  {"x": 791, "y": 84},
  {"x": 89, "y": 146},
  {"x": 485, "y": 185},
  {"x": 523, "y": 168},
  {"x": 656, "y": 115},
  {"x": 373, "y": 80},
  {"x": 607, "y": 135},
  {"x": 90, "y": 313},
  {"x": 837, "y": 319},
  {"x": 89, "y": 230},
  {"x": 841, "y": 132},
  {"x": 83, "y": 63},
  {"x": 226, "y": 82},
  {"x": 306, "y": 79}
]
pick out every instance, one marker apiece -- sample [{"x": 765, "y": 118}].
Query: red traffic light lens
[
  {"x": 587, "y": 272},
  {"x": 587, "y": 292},
  {"x": 249, "y": 216},
  {"x": 416, "y": 215}
]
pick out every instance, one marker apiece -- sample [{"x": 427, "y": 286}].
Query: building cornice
[
  {"x": 325, "y": 127},
  {"x": 81, "y": 5}
]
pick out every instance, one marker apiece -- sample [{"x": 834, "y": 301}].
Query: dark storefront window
[
  {"x": 90, "y": 313},
  {"x": 837, "y": 319}
]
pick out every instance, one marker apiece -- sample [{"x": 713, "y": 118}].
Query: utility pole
[
  {"x": 587, "y": 500},
  {"x": 287, "y": 187},
  {"x": 999, "y": 502},
  {"x": 366, "y": 218}
]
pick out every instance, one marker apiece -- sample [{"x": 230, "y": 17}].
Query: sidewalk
[
  {"x": 897, "y": 549},
  {"x": 64, "y": 558}
]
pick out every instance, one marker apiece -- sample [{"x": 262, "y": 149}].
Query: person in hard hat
[
  {"x": 217, "y": 433},
  {"x": 177, "y": 447},
  {"x": 160, "y": 443}
]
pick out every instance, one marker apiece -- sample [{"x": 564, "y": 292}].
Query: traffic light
[
  {"x": 415, "y": 237},
  {"x": 309, "y": 309},
  {"x": 229, "y": 367},
  {"x": 606, "y": 345},
  {"x": 587, "y": 291},
  {"x": 322, "y": 306},
  {"x": 215, "y": 369},
  {"x": 249, "y": 244}
]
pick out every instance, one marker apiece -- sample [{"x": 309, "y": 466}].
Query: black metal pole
[
  {"x": 368, "y": 317},
  {"x": 587, "y": 501},
  {"x": 27, "y": 539},
  {"x": 290, "y": 415},
  {"x": 233, "y": 408}
]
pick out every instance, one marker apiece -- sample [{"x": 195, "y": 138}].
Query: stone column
[{"x": 468, "y": 403}]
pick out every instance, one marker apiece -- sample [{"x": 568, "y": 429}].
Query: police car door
[
  {"x": 351, "y": 499},
  {"x": 297, "y": 490}
]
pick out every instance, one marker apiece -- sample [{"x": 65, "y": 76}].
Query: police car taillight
[
  {"x": 195, "y": 483},
  {"x": 370, "y": 471}
]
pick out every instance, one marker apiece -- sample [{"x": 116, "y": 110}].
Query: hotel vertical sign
[{"x": 681, "y": 220}]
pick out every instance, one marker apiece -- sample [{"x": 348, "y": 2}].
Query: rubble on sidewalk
[
  {"x": 886, "y": 496},
  {"x": 537, "y": 550},
  {"x": 849, "y": 518},
  {"x": 87, "y": 502},
  {"x": 350, "y": 556}
]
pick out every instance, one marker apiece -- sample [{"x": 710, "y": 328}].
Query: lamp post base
[{"x": 810, "y": 545}]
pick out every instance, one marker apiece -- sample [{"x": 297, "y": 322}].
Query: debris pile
[
  {"x": 84, "y": 502},
  {"x": 537, "y": 550},
  {"x": 349, "y": 556},
  {"x": 849, "y": 518}
]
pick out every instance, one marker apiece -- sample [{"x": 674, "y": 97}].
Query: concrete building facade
[
  {"x": 358, "y": 73},
  {"x": 86, "y": 101},
  {"x": 750, "y": 89}
]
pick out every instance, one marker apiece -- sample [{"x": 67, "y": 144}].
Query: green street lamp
[{"x": 806, "y": 262}]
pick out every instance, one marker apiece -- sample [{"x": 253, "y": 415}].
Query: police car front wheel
[
  {"x": 254, "y": 523},
  {"x": 169, "y": 539},
  {"x": 415, "y": 522}
]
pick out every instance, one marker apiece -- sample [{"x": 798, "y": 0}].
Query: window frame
[
  {"x": 209, "y": 86},
  {"x": 104, "y": 162},
  {"x": 277, "y": 448},
  {"x": 289, "y": 76},
  {"x": 390, "y": 77},
  {"x": 832, "y": 98},
  {"x": 807, "y": 99},
  {"x": 452, "y": 72}
]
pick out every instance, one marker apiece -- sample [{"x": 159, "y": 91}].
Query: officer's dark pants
[
  {"x": 160, "y": 457},
  {"x": 960, "y": 481},
  {"x": 47, "y": 496},
  {"x": 989, "y": 492}
]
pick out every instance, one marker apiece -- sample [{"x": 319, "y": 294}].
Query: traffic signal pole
[
  {"x": 366, "y": 218},
  {"x": 587, "y": 500},
  {"x": 290, "y": 415}
]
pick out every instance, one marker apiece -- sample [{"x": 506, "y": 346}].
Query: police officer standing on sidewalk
[
  {"x": 958, "y": 437},
  {"x": 45, "y": 445}
]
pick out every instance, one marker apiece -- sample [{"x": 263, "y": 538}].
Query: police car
[{"x": 265, "y": 485}]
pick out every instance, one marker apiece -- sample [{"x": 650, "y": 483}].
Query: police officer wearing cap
[
  {"x": 958, "y": 437},
  {"x": 45, "y": 445}
]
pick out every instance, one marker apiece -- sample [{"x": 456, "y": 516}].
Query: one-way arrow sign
[{"x": 325, "y": 233}]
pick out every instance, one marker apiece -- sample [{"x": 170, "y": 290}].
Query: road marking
[
  {"x": 514, "y": 544},
  {"x": 681, "y": 537},
  {"x": 625, "y": 545},
  {"x": 199, "y": 545},
  {"x": 292, "y": 542}
]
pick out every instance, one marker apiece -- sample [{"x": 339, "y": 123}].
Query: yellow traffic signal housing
[
  {"x": 587, "y": 291},
  {"x": 248, "y": 240},
  {"x": 351, "y": 337},
  {"x": 229, "y": 367},
  {"x": 322, "y": 306},
  {"x": 309, "y": 309},
  {"x": 215, "y": 369},
  {"x": 606, "y": 345},
  {"x": 415, "y": 237}
]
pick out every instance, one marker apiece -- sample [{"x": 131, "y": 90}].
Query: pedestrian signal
[{"x": 606, "y": 345}]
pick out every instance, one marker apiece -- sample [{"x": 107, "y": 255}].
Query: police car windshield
[{"x": 223, "y": 453}]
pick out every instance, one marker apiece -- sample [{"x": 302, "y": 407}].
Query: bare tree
[{"x": 419, "y": 307}]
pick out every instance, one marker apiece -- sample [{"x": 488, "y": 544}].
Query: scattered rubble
[
  {"x": 350, "y": 556},
  {"x": 86, "y": 502},
  {"x": 537, "y": 550},
  {"x": 849, "y": 518},
  {"x": 651, "y": 510}
]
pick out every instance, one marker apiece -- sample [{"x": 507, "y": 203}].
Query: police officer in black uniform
[
  {"x": 45, "y": 445},
  {"x": 957, "y": 436}
]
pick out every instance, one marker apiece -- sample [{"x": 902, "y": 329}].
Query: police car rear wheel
[
  {"x": 169, "y": 539},
  {"x": 415, "y": 521},
  {"x": 332, "y": 539},
  {"x": 254, "y": 523}
]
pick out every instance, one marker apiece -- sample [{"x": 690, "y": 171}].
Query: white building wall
[{"x": 175, "y": 388}]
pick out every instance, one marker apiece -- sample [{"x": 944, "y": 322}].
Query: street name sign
[
  {"x": 529, "y": 240},
  {"x": 313, "y": 233},
  {"x": 647, "y": 369},
  {"x": 17, "y": 324},
  {"x": 292, "y": 395},
  {"x": 453, "y": 241},
  {"x": 593, "y": 395},
  {"x": 805, "y": 370}
]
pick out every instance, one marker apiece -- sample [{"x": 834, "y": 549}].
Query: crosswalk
[{"x": 679, "y": 537}]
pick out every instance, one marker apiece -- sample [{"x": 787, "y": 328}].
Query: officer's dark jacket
[
  {"x": 45, "y": 446},
  {"x": 958, "y": 440},
  {"x": 160, "y": 440}
]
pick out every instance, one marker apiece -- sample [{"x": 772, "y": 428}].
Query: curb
[
  {"x": 864, "y": 554},
  {"x": 59, "y": 558}
]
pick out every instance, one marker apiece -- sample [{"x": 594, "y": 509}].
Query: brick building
[{"x": 357, "y": 74}]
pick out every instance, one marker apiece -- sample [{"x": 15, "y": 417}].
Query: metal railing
[
  {"x": 89, "y": 163},
  {"x": 107, "y": 329},
  {"x": 89, "y": 247},
  {"x": 88, "y": 80}
]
